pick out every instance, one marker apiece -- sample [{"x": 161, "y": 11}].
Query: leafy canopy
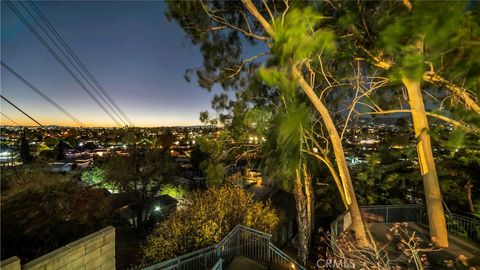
[{"x": 205, "y": 219}]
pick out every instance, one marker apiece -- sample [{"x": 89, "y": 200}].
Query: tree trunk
[
  {"x": 307, "y": 182},
  {"x": 338, "y": 182},
  {"x": 468, "y": 188},
  {"x": 357, "y": 223},
  {"x": 458, "y": 91},
  {"x": 433, "y": 197},
  {"x": 303, "y": 234}
]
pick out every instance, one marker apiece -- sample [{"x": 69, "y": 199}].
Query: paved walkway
[
  {"x": 242, "y": 263},
  {"x": 437, "y": 259}
]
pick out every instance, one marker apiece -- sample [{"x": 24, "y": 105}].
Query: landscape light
[{"x": 157, "y": 208}]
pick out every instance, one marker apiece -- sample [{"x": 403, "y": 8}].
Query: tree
[
  {"x": 177, "y": 192},
  {"x": 205, "y": 219},
  {"x": 141, "y": 174},
  {"x": 285, "y": 160},
  {"x": 96, "y": 177},
  {"x": 165, "y": 140},
  {"x": 25, "y": 150},
  {"x": 459, "y": 181},
  {"x": 294, "y": 41},
  {"x": 419, "y": 43},
  {"x": 42, "y": 212}
]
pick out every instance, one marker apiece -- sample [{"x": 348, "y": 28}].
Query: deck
[{"x": 437, "y": 259}]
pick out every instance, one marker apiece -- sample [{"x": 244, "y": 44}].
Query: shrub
[
  {"x": 42, "y": 211},
  {"x": 207, "y": 217}
]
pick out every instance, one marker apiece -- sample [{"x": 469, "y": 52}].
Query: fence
[
  {"x": 456, "y": 224},
  {"x": 241, "y": 241},
  {"x": 463, "y": 226}
]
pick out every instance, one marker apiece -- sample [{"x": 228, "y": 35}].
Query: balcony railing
[
  {"x": 456, "y": 224},
  {"x": 241, "y": 241}
]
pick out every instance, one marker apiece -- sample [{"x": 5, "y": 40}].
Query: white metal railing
[
  {"x": 241, "y": 241},
  {"x": 456, "y": 224},
  {"x": 463, "y": 226}
]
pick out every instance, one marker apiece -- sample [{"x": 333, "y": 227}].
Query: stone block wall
[
  {"x": 12, "y": 263},
  {"x": 95, "y": 251}
]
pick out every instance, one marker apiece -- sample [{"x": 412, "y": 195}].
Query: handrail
[
  {"x": 465, "y": 217},
  {"x": 254, "y": 231},
  {"x": 185, "y": 257},
  {"x": 285, "y": 256},
  {"x": 456, "y": 224},
  {"x": 241, "y": 241},
  {"x": 218, "y": 265}
]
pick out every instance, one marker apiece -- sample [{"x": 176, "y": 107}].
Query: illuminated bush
[
  {"x": 207, "y": 217},
  {"x": 177, "y": 192}
]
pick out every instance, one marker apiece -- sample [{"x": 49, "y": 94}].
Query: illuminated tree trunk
[
  {"x": 433, "y": 197},
  {"x": 357, "y": 223},
  {"x": 310, "y": 201},
  {"x": 307, "y": 181},
  {"x": 468, "y": 189},
  {"x": 304, "y": 231}
]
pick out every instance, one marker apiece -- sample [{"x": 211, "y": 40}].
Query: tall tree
[
  {"x": 294, "y": 42},
  {"x": 420, "y": 44},
  {"x": 25, "y": 149},
  {"x": 285, "y": 159},
  {"x": 141, "y": 173}
]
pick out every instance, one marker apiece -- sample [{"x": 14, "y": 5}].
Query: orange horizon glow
[{"x": 30, "y": 123}]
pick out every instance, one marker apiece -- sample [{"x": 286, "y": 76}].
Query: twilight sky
[{"x": 131, "y": 49}]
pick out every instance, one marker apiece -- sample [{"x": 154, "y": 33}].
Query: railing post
[
  {"x": 268, "y": 249},
  {"x": 386, "y": 215},
  {"x": 237, "y": 243}
]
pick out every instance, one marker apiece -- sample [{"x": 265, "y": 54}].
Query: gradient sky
[{"x": 137, "y": 55}]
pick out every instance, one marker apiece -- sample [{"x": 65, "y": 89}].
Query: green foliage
[
  {"x": 42, "y": 212},
  {"x": 177, "y": 192},
  {"x": 298, "y": 36},
  {"x": 141, "y": 173},
  {"x": 205, "y": 219},
  {"x": 385, "y": 179},
  {"x": 204, "y": 117},
  {"x": 148, "y": 168},
  {"x": 215, "y": 172},
  {"x": 455, "y": 171},
  {"x": 96, "y": 177},
  {"x": 448, "y": 31}
]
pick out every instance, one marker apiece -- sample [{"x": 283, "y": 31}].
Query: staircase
[{"x": 242, "y": 246}]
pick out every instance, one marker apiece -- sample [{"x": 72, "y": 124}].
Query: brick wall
[{"x": 95, "y": 251}]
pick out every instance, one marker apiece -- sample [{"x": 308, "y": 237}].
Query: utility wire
[
  {"x": 70, "y": 61},
  {"x": 29, "y": 26},
  {"x": 43, "y": 95},
  {"x": 77, "y": 60},
  {"x": 4, "y": 115},
  {"x": 33, "y": 119}
]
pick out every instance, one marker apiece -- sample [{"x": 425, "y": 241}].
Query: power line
[
  {"x": 45, "y": 44},
  {"x": 9, "y": 102},
  {"x": 43, "y": 95},
  {"x": 70, "y": 61},
  {"x": 4, "y": 115},
  {"x": 33, "y": 119},
  {"x": 76, "y": 59}
]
